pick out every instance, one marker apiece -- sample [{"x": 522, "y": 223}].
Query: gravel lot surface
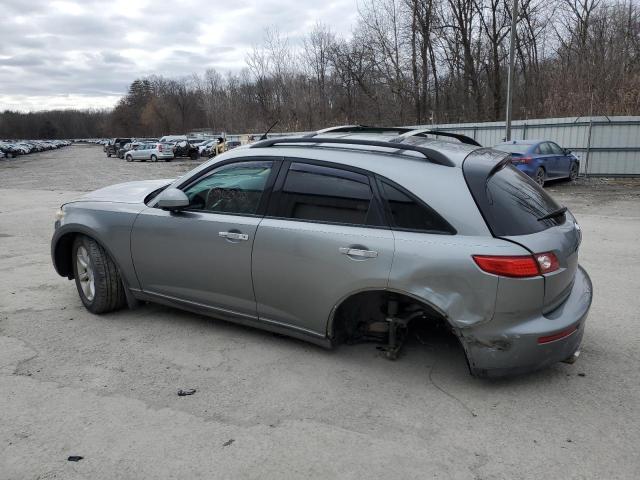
[{"x": 105, "y": 387}]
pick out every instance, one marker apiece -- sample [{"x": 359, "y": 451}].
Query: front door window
[{"x": 236, "y": 188}]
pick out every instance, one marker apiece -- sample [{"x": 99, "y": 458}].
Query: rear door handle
[
  {"x": 356, "y": 252},
  {"x": 234, "y": 236}
]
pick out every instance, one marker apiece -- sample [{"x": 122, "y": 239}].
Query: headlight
[{"x": 59, "y": 214}]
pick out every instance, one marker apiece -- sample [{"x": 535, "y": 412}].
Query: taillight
[
  {"x": 514, "y": 266},
  {"x": 547, "y": 262},
  {"x": 519, "y": 266},
  {"x": 517, "y": 160}
]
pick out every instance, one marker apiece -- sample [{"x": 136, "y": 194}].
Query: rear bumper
[{"x": 495, "y": 351}]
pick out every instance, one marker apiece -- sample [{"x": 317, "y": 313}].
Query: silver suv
[{"x": 349, "y": 233}]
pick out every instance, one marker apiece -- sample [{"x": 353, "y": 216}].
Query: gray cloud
[{"x": 81, "y": 53}]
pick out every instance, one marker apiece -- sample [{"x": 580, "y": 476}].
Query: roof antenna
[{"x": 264, "y": 135}]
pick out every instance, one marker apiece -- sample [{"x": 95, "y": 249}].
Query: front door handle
[
  {"x": 356, "y": 252},
  {"x": 234, "y": 236}
]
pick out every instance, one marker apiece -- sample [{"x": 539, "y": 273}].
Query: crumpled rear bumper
[{"x": 493, "y": 351}]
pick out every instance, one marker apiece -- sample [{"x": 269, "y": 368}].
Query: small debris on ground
[
  {"x": 74, "y": 458},
  {"x": 228, "y": 442},
  {"x": 582, "y": 374},
  {"x": 185, "y": 392}
]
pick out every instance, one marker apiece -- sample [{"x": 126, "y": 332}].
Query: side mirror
[
  {"x": 567, "y": 151},
  {"x": 172, "y": 199}
]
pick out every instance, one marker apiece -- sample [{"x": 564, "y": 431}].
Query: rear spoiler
[{"x": 482, "y": 163}]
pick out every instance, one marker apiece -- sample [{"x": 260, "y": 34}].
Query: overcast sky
[{"x": 85, "y": 53}]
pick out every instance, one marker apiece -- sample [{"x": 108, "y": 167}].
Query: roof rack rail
[
  {"x": 430, "y": 154},
  {"x": 358, "y": 128},
  {"x": 405, "y": 132},
  {"x": 423, "y": 131}
]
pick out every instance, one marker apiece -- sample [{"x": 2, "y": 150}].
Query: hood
[{"x": 130, "y": 192}]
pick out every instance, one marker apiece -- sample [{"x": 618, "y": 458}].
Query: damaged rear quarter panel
[{"x": 440, "y": 270}]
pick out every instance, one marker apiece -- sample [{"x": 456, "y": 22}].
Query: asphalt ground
[{"x": 267, "y": 406}]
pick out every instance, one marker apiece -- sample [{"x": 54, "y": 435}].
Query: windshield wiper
[{"x": 554, "y": 214}]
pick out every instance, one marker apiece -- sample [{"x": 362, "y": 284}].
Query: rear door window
[
  {"x": 545, "y": 149},
  {"x": 324, "y": 194},
  {"x": 408, "y": 214},
  {"x": 555, "y": 148}
]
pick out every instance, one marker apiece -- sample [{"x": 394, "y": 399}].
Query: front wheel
[
  {"x": 108, "y": 155},
  {"x": 129, "y": 158},
  {"x": 539, "y": 176},
  {"x": 573, "y": 172},
  {"x": 97, "y": 278},
  {"x": 154, "y": 158}
]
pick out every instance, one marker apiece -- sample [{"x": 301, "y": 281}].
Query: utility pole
[{"x": 512, "y": 59}]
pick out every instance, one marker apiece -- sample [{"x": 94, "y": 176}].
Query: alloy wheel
[
  {"x": 85, "y": 273},
  {"x": 573, "y": 173}
]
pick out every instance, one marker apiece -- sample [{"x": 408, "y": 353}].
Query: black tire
[
  {"x": 540, "y": 176},
  {"x": 108, "y": 155},
  {"x": 129, "y": 158},
  {"x": 154, "y": 158},
  {"x": 167, "y": 159},
  {"x": 574, "y": 170},
  {"x": 194, "y": 155},
  {"x": 109, "y": 293}
]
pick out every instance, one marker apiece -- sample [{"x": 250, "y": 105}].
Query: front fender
[{"x": 109, "y": 224}]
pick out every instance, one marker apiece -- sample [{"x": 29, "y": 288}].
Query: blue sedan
[{"x": 542, "y": 160}]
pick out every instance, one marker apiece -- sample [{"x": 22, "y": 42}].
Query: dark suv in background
[{"x": 114, "y": 145}]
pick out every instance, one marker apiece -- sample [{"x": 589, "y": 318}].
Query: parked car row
[
  {"x": 13, "y": 148},
  {"x": 166, "y": 148},
  {"x": 542, "y": 160},
  {"x": 98, "y": 141}
]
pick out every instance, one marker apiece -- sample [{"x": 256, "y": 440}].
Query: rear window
[
  {"x": 510, "y": 202},
  {"x": 513, "y": 147},
  {"x": 514, "y": 203}
]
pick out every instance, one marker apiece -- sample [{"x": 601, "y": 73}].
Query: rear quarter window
[{"x": 408, "y": 214}]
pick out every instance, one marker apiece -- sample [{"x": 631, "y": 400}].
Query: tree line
[{"x": 406, "y": 62}]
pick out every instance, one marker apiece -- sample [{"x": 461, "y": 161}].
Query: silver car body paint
[
  {"x": 289, "y": 276},
  {"x": 300, "y": 273},
  {"x": 147, "y": 150},
  {"x": 198, "y": 264}
]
